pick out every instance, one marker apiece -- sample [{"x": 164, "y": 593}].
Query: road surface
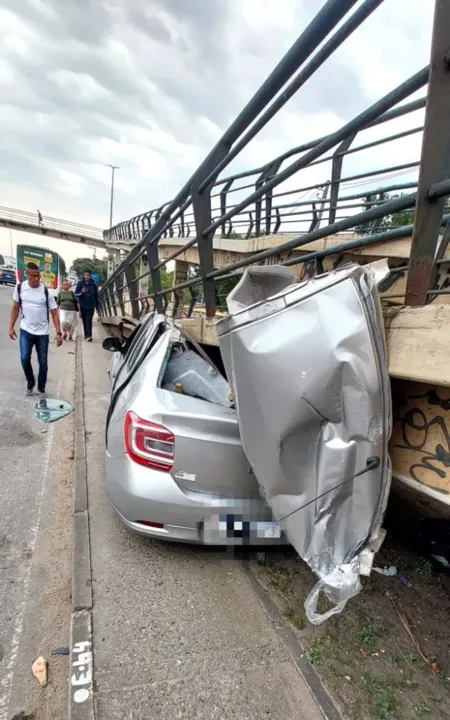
[
  {"x": 35, "y": 533},
  {"x": 178, "y": 632}
]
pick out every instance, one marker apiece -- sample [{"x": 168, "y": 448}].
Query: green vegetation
[
  {"x": 166, "y": 281},
  {"x": 296, "y": 617},
  {"x": 425, "y": 568},
  {"x": 398, "y": 219},
  {"x": 94, "y": 264},
  {"x": 421, "y": 709},
  {"x": 315, "y": 652},
  {"x": 370, "y": 636}
]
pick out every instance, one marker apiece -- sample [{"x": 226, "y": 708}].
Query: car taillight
[{"x": 149, "y": 444}]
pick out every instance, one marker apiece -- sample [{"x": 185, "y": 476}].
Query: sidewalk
[{"x": 174, "y": 637}]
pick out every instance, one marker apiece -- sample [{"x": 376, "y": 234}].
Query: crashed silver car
[
  {"x": 308, "y": 370},
  {"x": 303, "y": 454},
  {"x": 175, "y": 467}
]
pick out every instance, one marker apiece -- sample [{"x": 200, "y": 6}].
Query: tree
[
  {"x": 223, "y": 288},
  {"x": 94, "y": 265},
  {"x": 166, "y": 281},
  {"x": 398, "y": 219}
]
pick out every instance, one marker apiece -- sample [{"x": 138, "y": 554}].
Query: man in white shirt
[{"x": 35, "y": 302}]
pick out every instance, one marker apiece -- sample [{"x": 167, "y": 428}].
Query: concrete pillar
[
  {"x": 180, "y": 275},
  {"x": 143, "y": 283},
  {"x": 110, "y": 264}
]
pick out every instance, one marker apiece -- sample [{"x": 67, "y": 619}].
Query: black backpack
[{"x": 19, "y": 292}]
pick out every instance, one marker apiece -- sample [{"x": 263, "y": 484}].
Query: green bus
[{"x": 51, "y": 265}]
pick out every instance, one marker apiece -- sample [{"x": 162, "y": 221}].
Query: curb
[
  {"x": 306, "y": 670},
  {"x": 81, "y": 700}
]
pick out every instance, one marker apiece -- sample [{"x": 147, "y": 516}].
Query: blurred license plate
[{"x": 235, "y": 527}]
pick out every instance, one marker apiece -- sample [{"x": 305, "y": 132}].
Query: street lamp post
[{"x": 113, "y": 169}]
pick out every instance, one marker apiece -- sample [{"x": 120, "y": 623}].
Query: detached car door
[{"x": 308, "y": 369}]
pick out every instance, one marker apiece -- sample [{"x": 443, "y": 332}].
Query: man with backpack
[
  {"x": 35, "y": 303},
  {"x": 87, "y": 295}
]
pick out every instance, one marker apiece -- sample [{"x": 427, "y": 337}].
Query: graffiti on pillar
[
  {"x": 111, "y": 265},
  {"x": 420, "y": 442},
  {"x": 392, "y": 280},
  {"x": 308, "y": 270}
]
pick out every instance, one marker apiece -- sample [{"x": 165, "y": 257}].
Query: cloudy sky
[{"x": 150, "y": 87}]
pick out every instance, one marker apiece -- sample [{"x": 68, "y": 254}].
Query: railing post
[
  {"x": 315, "y": 218},
  {"x": 250, "y": 225},
  {"x": 192, "y": 301},
  {"x": 155, "y": 275},
  {"x": 107, "y": 302},
  {"x": 319, "y": 213},
  {"x": 143, "y": 283},
  {"x": 201, "y": 205},
  {"x": 277, "y": 221},
  {"x": 223, "y": 202},
  {"x": 112, "y": 299},
  {"x": 336, "y": 171},
  {"x": 181, "y": 226},
  {"x": 269, "y": 174},
  {"x": 119, "y": 283},
  {"x": 132, "y": 289},
  {"x": 258, "y": 206},
  {"x": 435, "y": 161}
]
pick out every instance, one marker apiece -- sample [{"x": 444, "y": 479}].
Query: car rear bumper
[{"x": 139, "y": 494}]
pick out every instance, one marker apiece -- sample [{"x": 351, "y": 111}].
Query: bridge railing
[
  {"x": 306, "y": 191},
  {"x": 45, "y": 222}
]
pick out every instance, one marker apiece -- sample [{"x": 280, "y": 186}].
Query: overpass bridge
[{"x": 51, "y": 227}]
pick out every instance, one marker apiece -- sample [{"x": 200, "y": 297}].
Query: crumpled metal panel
[
  {"x": 309, "y": 374},
  {"x": 196, "y": 378}
]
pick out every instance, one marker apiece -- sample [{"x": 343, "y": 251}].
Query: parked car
[
  {"x": 175, "y": 467},
  {"x": 7, "y": 276}
]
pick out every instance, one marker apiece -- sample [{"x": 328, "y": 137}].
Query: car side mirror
[{"x": 112, "y": 344}]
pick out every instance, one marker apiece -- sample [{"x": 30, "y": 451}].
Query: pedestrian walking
[
  {"x": 34, "y": 302},
  {"x": 87, "y": 295},
  {"x": 68, "y": 310},
  {"x": 40, "y": 221}
]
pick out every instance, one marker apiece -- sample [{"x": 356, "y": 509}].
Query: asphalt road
[
  {"x": 35, "y": 530},
  {"x": 178, "y": 631}
]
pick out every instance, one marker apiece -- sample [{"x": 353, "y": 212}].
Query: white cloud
[{"x": 150, "y": 87}]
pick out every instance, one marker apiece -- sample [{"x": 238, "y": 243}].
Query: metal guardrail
[
  {"x": 245, "y": 204},
  {"x": 49, "y": 223}
]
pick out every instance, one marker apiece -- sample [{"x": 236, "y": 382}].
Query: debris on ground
[
  {"x": 61, "y": 651},
  {"x": 388, "y": 571},
  {"x": 39, "y": 670},
  {"x": 49, "y": 411}
]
